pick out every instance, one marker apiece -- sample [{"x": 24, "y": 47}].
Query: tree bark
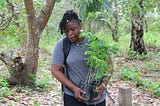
[
  {"x": 44, "y": 14},
  {"x": 32, "y": 44},
  {"x": 15, "y": 67},
  {"x": 137, "y": 42}
]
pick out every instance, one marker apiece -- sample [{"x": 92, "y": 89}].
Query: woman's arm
[{"x": 57, "y": 72}]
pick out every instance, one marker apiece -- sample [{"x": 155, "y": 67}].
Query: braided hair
[{"x": 67, "y": 17}]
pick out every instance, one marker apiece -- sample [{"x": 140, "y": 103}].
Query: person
[{"x": 71, "y": 26}]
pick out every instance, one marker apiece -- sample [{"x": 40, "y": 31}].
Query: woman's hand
[
  {"x": 57, "y": 72},
  {"x": 100, "y": 89},
  {"x": 78, "y": 92}
]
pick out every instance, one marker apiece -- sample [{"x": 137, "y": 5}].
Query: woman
[{"x": 77, "y": 68}]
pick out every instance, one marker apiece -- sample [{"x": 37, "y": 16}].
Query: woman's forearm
[{"x": 62, "y": 78}]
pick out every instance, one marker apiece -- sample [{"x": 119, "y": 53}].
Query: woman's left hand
[{"x": 100, "y": 88}]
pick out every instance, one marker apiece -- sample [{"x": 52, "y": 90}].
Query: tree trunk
[
  {"x": 25, "y": 73},
  {"x": 15, "y": 67},
  {"x": 32, "y": 44},
  {"x": 35, "y": 28},
  {"x": 137, "y": 42},
  {"x": 114, "y": 29}
]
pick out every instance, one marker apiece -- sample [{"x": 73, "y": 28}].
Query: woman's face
[{"x": 72, "y": 30}]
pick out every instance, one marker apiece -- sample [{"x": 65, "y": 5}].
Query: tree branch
[
  {"x": 30, "y": 14},
  {"x": 109, "y": 26},
  {"x": 44, "y": 14}
]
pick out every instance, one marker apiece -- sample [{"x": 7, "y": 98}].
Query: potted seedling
[{"x": 98, "y": 54}]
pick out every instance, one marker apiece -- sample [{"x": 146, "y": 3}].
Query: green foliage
[
  {"x": 4, "y": 90},
  {"x": 132, "y": 53},
  {"x": 42, "y": 83},
  {"x": 124, "y": 41},
  {"x": 155, "y": 87},
  {"x": 152, "y": 39},
  {"x": 134, "y": 75},
  {"x": 130, "y": 73},
  {"x": 10, "y": 38},
  {"x": 99, "y": 53},
  {"x": 135, "y": 55},
  {"x": 2, "y": 4},
  {"x": 36, "y": 102},
  {"x": 48, "y": 39},
  {"x": 13, "y": 26},
  {"x": 149, "y": 64},
  {"x": 44, "y": 75},
  {"x": 32, "y": 78},
  {"x": 93, "y": 9},
  {"x": 57, "y": 1},
  {"x": 87, "y": 6},
  {"x": 152, "y": 86}
]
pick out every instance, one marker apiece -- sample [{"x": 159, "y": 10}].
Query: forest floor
[{"x": 49, "y": 91}]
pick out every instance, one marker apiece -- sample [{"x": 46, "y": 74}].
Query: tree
[
  {"x": 137, "y": 31},
  {"x": 136, "y": 11},
  {"x": 24, "y": 73},
  {"x": 100, "y": 11},
  {"x": 114, "y": 30}
]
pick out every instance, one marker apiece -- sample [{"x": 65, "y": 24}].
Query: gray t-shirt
[{"x": 76, "y": 65}]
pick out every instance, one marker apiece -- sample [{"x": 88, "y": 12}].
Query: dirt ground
[
  {"x": 51, "y": 95},
  {"x": 54, "y": 98}
]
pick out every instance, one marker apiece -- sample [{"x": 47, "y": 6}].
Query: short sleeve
[{"x": 58, "y": 55}]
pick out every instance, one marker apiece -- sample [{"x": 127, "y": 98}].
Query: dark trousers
[{"x": 72, "y": 101}]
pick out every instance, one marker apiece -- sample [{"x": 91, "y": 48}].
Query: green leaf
[{"x": 58, "y": 1}]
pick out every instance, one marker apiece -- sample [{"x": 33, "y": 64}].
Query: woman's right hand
[
  {"x": 56, "y": 71},
  {"x": 78, "y": 92}
]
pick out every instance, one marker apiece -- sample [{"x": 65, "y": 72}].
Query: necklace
[{"x": 78, "y": 43}]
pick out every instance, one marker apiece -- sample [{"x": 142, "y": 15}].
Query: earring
[{"x": 67, "y": 21}]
